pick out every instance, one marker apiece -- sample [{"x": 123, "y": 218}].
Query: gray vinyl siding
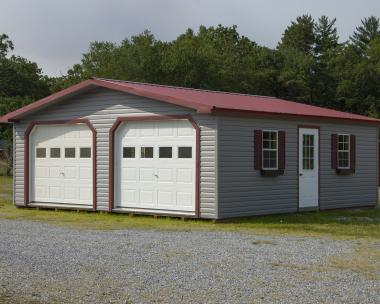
[
  {"x": 244, "y": 192},
  {"x": 354, "y": 190},
  {"x": 102, "y": 107}
]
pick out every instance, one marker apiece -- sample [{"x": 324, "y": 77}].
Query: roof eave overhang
[{"x": 246, "y": 113}]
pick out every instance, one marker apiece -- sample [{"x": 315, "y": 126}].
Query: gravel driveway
[{"x": 41, "y": 263}]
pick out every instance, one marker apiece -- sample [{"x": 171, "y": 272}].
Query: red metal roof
[{"x": 202, "y": 101}]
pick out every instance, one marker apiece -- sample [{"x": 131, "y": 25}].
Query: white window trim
[
  {"x": 262, "y": 149},
  {"x": 349, "y": 151}
]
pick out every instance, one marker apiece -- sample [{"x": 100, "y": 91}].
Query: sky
[{"x": 55, "y": 33}]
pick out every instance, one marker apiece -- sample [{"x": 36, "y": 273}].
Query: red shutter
[
  {"x": 352, "y": 152},
  {"x": 281, "y": 150},
  {"x": 334, "y": 151},
  {"x": 258, "y": 139}
]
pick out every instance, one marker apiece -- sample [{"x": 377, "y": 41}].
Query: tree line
[{"x": 309, "y": 64}]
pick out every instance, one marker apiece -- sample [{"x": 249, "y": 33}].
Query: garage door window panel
[
  {"x": 55, "y": 153},
  {"x": 146, "y": 152},
  {"x": 165, "y": 152},
  {"x": 185, "y": 152},
  {"x": 85, "y": 152},
  {"x": 129, "y": 152},
  {"x": 41, "y": 152},
  {"x": 69, "y": 152}
]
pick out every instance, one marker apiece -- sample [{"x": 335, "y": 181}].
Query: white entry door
[
  {"x": 61, "y": 164},
  {"x": 308, "y": 145},
  {"x": 155, "y": 167}
]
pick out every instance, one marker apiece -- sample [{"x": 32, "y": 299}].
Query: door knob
[
  {"x": 301, "y": 174},
  {"x": 156, "y": 175}
]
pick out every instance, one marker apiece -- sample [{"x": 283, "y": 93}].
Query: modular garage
[{"x": 122, "y": 146}]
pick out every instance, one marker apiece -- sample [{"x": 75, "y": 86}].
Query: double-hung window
[
  {"x": 343, "y": 156},
  {"x": 270, "y": 150}
]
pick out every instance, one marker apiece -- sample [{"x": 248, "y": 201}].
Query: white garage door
[
  {"x": 61, "y": 164},
  {"x": 155, "y": 166}
]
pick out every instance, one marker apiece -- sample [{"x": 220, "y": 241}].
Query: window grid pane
[
  {"x": 165, "y": 152},
  {"x": 129, "y": 152},
  {"x": 343, "y": 151},
  {"x": 270, "y": 150},
  {"x": 69, "y": 152},
  {"x": 146, "y": 152},
  {"x": 41, "y": 152},
  {"x": 55, "y": 152},
  {"x": 85, "y": 152},
  {"x": 185, "y": 152},
  {"x": 308, "y": 151}
]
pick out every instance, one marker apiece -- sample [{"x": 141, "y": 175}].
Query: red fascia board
[{"x": 44, "y": 101}]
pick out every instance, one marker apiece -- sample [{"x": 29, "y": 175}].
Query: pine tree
[
  {"x": 299, "y": 36},
  {"x": 326, "y": 36},
  {"x": 365, "y": 33}
]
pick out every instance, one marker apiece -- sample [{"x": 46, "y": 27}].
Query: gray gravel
[{"x": 41, "y": 263}]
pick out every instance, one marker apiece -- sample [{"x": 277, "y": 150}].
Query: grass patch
[
  {"x": 346, "y": 224},
  {"x": 5, "y": 188},
  {"x": 365, "y": 261},
  {"x": 3, "y": 168}
]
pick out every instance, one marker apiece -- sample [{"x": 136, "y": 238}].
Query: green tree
[
  {"x": 326, "y": 35},
  {"x": 309, "y": 64},
  {"x": 366, "y": 32},
  {"x": 297, "y": 72},
  {"x": 6, "y": 45},
  {"x": 359, "y": 88},
  {"x": 299, "y": 36},
  {"x": 326, "y": 49},
  {"x": 21, "y": 81}
]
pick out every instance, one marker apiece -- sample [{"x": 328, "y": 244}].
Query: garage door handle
[{"x": 62, "y": 173}]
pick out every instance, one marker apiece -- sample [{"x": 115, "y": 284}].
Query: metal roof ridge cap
[{"x": 188, "y": 88}]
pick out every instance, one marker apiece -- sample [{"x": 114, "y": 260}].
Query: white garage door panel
[
  {"x": 61, "y": 180},
  {"x": 155, "y": 183}
]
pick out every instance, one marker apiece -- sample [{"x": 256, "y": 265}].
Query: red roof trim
[
  {"x": 372, "y": 121},
  {"x": 39, "y": 103},
  {"x": 200, "y": 100}
]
